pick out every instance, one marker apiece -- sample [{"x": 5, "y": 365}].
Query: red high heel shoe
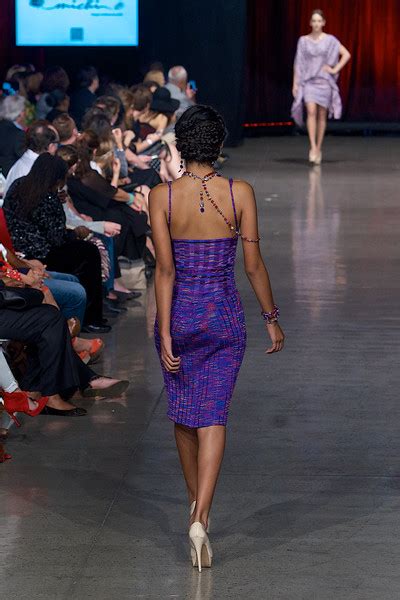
[
  {"x": 19, "y": 402},
  {"x": 3, "y": 454}
]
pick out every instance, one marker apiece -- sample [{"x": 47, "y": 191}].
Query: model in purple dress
[
  {"x": 316, "y": 69},
  {"x": 200, "y": 329}
]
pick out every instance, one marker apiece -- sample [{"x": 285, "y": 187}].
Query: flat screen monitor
[{"x": 76, "y": 22}]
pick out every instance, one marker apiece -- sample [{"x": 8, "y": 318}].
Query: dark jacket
[
  {"x": 12, "y": 145},
  {"x": 81, "y": 101}
]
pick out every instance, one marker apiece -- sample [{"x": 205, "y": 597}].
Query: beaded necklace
[
  {"x": 204, "y": 185},
  {"x": 206, "y": 193}
]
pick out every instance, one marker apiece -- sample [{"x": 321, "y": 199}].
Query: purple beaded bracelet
[{"x": 271, "y": 317}]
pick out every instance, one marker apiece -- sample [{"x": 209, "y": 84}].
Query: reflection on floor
[{"x": 307, "y": 506}]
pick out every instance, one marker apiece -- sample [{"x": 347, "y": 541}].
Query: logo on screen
[{"x": 75, "y": 5}]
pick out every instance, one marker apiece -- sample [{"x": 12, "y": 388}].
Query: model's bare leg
[
  {"x": 321, "y": 126},
  {"x": 188, "y": 446},
  {"x": 312, "y": 126},
  {"x": 209, "y": 459}
]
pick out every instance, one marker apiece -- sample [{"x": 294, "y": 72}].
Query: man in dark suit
[
  {"x": 85, "y": 96},
  {"x": 12, "y": 134}
]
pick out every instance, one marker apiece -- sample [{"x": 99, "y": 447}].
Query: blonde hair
[{"x": 156, "y": 76}]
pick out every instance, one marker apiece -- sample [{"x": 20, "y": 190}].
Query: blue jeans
[{"x": 69, "y": 294}]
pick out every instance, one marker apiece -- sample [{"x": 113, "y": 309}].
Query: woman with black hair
[
  {"x": 36, "y": 222},
  {"x": 200, "y": 330}
]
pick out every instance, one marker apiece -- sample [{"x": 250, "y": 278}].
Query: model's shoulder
[
  {"x": 332, "y": 38},
  {"x": 243, "y": 186},
  {"x": 159, "y": 194},
  {"x": 242, "y": 190},
  {"x": 159, "y": 190}
]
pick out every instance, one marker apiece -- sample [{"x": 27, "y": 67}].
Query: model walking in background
[
  {"x": 316, "y": 69},
  {"x": 200, "y": 330}
]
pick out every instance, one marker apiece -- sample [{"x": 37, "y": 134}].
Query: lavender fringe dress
[
  {"x": 208, "y": 330},
  {"x": 314, "y": 84}
]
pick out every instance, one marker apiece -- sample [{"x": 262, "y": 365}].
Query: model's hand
[
  {"x": 329, "y": 69},
  {"x": 170, "y": 362},
  {"x": 277, "y": 338},
  {"x": 295, "y": 89}
]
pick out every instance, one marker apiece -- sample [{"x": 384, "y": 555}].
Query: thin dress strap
[
  {"x": 233, "y": 204},
  {"x": 169, "y": 202}
]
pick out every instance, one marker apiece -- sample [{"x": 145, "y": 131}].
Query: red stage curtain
[{"x": 370, "y": 30}]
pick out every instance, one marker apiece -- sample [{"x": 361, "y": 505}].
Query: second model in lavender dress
[
  {"x": 315, "y": 84},
  {"x": 207, "y": 328}
]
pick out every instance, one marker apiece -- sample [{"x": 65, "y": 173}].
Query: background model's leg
[{"x": 312, "y": 128}]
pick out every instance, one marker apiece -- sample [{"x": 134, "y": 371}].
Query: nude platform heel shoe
[{"x": 200, "y": 547}]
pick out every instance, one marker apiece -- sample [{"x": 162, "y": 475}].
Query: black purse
[{"x": 19, "y": 298}]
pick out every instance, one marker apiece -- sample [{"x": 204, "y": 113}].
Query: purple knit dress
[
  {"x": 208, "y": 330},
  {"x": 315, "y": 84}
]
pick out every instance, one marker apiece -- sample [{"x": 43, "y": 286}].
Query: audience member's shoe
[
  {"x": 113, "y": 308},
  {"x": 56, "y": 412},
  {"x": 74, "y": 326},
  {"x": 114, "y": 389},
  {"x": 96, "y": 328},
  {"x": 97, "y": 347},
  {"x": 132, "y": 295},
  {"x": 19, "y": 402},
  {"x": 3, "y": 454}
]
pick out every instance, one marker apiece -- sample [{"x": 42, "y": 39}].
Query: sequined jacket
[{"x": 36, "y": 234}]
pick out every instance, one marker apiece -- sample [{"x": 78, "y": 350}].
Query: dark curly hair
[{"x": 200, "y": 133}]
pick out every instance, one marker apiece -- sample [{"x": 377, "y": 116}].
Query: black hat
[{"x": 163, "y": 103}]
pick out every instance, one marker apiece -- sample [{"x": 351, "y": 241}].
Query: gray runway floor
[{"x": 308, "y": 505}]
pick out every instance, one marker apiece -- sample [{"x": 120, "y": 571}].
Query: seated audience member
[
  {"x": 12, "y": 134},
  {"x": 112, "y": 108},
  {"x": 98, "y": 121},
  {"x": 160, "y": 116},
  {"x": 40, "y": 138},
  {"x": 179, "y": 88},
  {"x": 108, "y": 230},
  {"x": 93, "y": 195},
  {"x": 60, "y": 102},
  {"x": 155, "y": 76},
  {"x": 54, "y": 78},
  {"x": 21, "y": 274},
  {"x": 54, "y": 370},
  {"x": 68, "y": 293},
  {"x": 36, "y": 222},
  {"x": 66, "y": 129},
  {"x": 85, "y": 96}
]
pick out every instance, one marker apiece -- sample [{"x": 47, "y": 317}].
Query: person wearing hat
[
  {"x": 158, "y": 123},
  {"x": 162, "y": 113}
]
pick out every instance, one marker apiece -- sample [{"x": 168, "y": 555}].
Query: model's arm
[
  {"x": 296, "y": 69},
  {"x": 254, "y": 264},
  {"x": 344, "y": 59},
  {"x": 165, "y": 273}
]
